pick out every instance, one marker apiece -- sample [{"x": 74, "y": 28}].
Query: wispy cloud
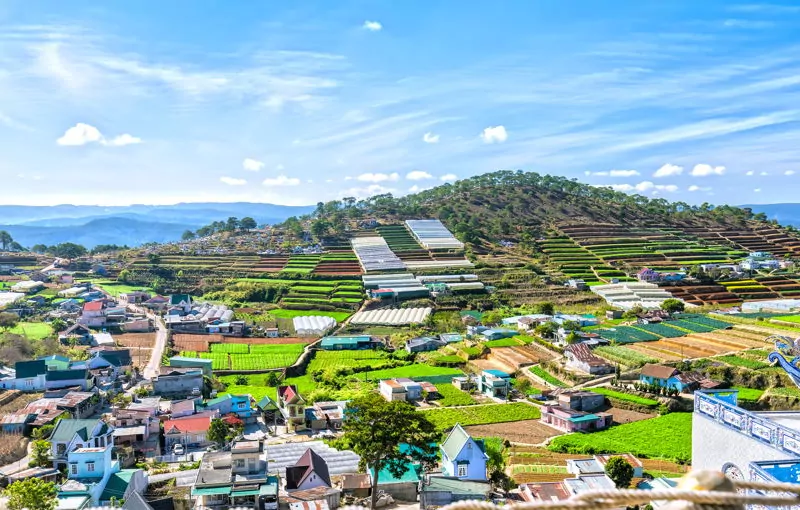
[
  {"x": 372, "y": 26},
  {"x": 232, "y": 181},
  {"x": 281, "y": 180},
  {"x": 789, "y": 172},
  {"x": 703, "y": 170},
  {"x": 448, "y": 177},
  {"x": 418, "y": 175},
  {"x": 430, "y": 138},
  {"x": 252, "y": 165},
  {"x": 668, "y": 170},
  {"x": 615, "y": 173},
  {"x": 378, "y": 177},
  {"x": 748, "y": 24}
]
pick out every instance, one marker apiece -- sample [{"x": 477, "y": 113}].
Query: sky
[{"x": 293, "y": 103}]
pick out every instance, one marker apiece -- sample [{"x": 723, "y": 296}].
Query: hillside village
[{"x": 221, "y": 370}]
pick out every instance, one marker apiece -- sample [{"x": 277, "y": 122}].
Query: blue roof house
[
  {"x": 494, "y": 383},
  {"x": 497, "y": 333},
  {"x": 345, "y": 343},
  {"x": 462, "y": 456},
  {"x": 227, "y": 404},
  {"x": 424, "y": 344}
]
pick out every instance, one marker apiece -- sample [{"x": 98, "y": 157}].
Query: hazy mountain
[
  {"x": 121, "y": 231},
  {"x": 192, "y": 214},
  {"x": 786, "y": 214}
]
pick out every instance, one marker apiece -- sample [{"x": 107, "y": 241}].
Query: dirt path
[{"x": 151, "y": 370}]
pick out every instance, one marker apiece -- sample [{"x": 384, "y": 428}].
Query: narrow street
[{"x": 151, "y": 370}]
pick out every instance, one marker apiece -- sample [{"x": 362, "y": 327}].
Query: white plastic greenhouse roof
[
  {"x": 312, "y": 325},
  {"x": 6, "y": 298},
  {"x": 375, "y": 255},
  {"x": 626, "y": 295},
  {"x": 392, "y": 317},
  {"x": 432, "y": 234},
  {"x": 438, "y": 264}
]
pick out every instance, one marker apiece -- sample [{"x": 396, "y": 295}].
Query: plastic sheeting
[
  {"x": 392, "y": 317},
  {"x": 312, "y": 325}
]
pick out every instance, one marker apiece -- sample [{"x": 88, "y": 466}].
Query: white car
[{"x": 178, "y": 449}]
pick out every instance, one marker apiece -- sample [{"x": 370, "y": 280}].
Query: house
[
  {"x": 75, "y": 377},
  {"x": 93, "y": 314},
  {"x": 549, "y": 492},
  {"x": 325, "y": 415},
  {"x": 29, "y": 376},
  {"x": 451, "y": 338},
  {"x": 137, "y": 429},
  {"x": 580, "y": 357},
  {"x": 465, "y": 383},
  {"x": 156, "y": 303},
  {"x": 669, "y": 377},
  {"x": 439, "y": 491},
  {"x": 404, "y": 487},
  {"x": 494, "y": 383},
  {"x": 463, "y": 457},
  {"x": 356, "y": 485},
  {"x": 134, "y": 297},
  {"x": 19, "y": 423},
  {"x": 292, "y": 407},
  {"x": 352, "y": 343},
  {"x": 236, "y": 478},
  {"x": 71, "y": 434},
  {"x": 308, "y": 472},
  {"x": 79, "y": 404},
  {"x": 582, "y": 321},
  {"x": 117, "y": 360},
  {"x": 178, "y": 382},
  {"x": 269, "y": 411},
  {"x": 77, "y": 333},
  {"x": 648, "y": 275},
  {"x": 181, "y": 302},
  {"x": 240, "y": 405},
  {"x": 581, "y": 400},
  {"x": 497, "y": 333},
  {"x": 614, "y": 314},
  {"x": 577, "y": 284},
  {"x": 189, "y": 432},
  {"x": 570, "y": 420},
  {"x": 185, "y": 362},
  {"x": 69, "y": 306},
  {"x": 424, "y": 344},
  {"x": 403, "y": 389},
  {"x": 272, "y": 332},
  {"x": 181, "y": 408},
  {"x": 137, "y": 325},
  {"x": 592, "y": 339}
]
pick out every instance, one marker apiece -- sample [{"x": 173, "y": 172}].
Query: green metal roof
[
  {"x": 67, "y": 375},
  {"x": 473, "y": 488},
  {"x": 66, "y": 429},
  {"x": 176, "y": 299},
  {"x": 411, "y": 475},
  {"x": 587, "y": 417},
  {"x": 211, "y": 491},
  {"x": 26, "y": 369},
  {"x": 254, "y": 492},
  {"x": 267, "y": 404},
  {"x": 217, "y": 400},
  {"x": 345, "y": 340},
  {"x": 270, "y": 488},
  {"x": 455, "y": 442},
  {"x": 118, "y": 484}
]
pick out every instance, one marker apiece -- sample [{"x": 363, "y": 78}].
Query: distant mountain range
[
  {"x": 132, "y": 225},
  {"x": 786, "y": 214}
]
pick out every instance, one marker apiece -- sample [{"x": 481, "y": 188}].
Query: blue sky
[{"x": 297, "y": 102}]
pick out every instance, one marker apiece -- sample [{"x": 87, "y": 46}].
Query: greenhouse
[
  {"x": 392, "y": 317},
  {"x": 313, "y": 325},
  {"x": 375, "y": 255},
  {"x": 433, "y": 235}
]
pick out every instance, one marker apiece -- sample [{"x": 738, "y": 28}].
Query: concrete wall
[
  {"x": 402, "y": 491},
  {"x": 715, "y": 446}
]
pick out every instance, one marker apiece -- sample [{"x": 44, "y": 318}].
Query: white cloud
[
  {"x": 418, "y": 175},
  {"x": 695, "y": 187},
  {"x": 82, "y": 134},
  {"x": 703, "y": 170},
  {"x": 414, "y": 189},
  {"x": 757, "y": 190},
  {"x": 749, "y": 172},
  {"x": 644, "y": 187},
  {"x": 378, "y": 177},
  {"x": 494, "y": 134},
  {"x": 281, "y": 180},
  {"x": 448, "y": 177},
  {"x": 372, "y": 26},
  {"x": 615, "y": 173},
  {"x": 252, "y": 165},
  {"x": 668, "y": 170},
  {"x": 348, "y": 178},
  {"x": 430, "y": 138},
  {"x": 123, "y": 140},
  {"x": 279, "y": 167},
  {"x": 788, "y": 172},
  {"x": 764, "y": 173},
  {"x": 232, "y": 181},
  {"x": 372, "y": 189}
]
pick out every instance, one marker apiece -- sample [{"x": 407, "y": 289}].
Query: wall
[{"x": 402, "y": 491}]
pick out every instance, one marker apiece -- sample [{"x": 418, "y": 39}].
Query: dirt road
[{"x": 151, "y": 370}]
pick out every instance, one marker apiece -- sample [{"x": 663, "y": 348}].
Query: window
[
  {"x": 239, "y": 463},
  {"x": 90, "y": 467},
  {"x": 462, "y": 470},
  {"x": 61, "y": 449},
  {"x": 73, "y": 468}
]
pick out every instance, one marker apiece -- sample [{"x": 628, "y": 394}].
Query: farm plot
[
  {"x": 696, "y": 345},
  {"x": 446, "y": 418},
  {"x": 666, "y": 437},
  {"x": 624, "y": 356},
  {"x": 244, "y": 357},
  {"x": 348, "y": 359}
]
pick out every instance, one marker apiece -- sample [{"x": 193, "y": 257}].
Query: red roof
[
  {"x": 188, "y": 424},
  {"x": 93, "y": 306}
]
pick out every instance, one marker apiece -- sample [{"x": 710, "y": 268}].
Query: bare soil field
[
  {"x": 134, "y": 340},
  {"x": 626, "y": 416},
  {"x": 525, "y": 432}
]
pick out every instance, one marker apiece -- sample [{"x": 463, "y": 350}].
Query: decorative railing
[{"x": 746, "y": 423}]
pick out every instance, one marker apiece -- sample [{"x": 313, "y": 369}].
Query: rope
[{"x": 601, "y": 499}]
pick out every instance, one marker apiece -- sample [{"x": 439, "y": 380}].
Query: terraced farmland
[
  {"x": 244, "y": 357},
  {"x": 700, "y": 345}
]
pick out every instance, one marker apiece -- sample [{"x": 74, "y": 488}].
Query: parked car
[
  {"x": 195, "y": 391},
  {"x": 178, "y": 449}
]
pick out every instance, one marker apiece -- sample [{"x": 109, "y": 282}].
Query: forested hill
[{"x": 506, "y": 203}]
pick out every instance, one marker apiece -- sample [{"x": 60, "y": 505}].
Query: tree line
[{"x": 232, "y": 224}]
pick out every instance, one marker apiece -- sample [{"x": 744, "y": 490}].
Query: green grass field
[
  {"x": 415, "y": 370},
  {"x": 115, "y": 288},
  {"x": 547, "y": 376},
  {"x": 788, "y": 318},
  {"x": 452, "y": 396},
  {"x": 664, "y": 437},
  {"x": 446, "y": 418},
  {"x": 291, "y": 314},
  {"x": 625, "y": 397},
  {"x": 33, "y": 330},
  {"x": 748, "y": 394}
]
